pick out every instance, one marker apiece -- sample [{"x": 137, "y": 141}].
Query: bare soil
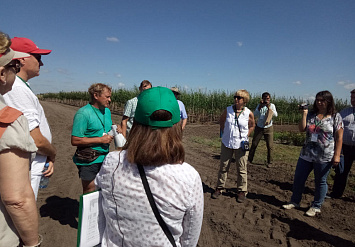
[{"x": 259, "y": 221}]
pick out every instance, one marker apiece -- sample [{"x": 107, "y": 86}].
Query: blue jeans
[{"x": 303, "y": 169}]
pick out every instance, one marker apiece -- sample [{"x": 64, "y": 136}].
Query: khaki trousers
[{"x": 241, "y": 158}]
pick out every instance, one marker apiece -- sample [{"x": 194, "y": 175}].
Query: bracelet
[{"x": 40, "y": 239}]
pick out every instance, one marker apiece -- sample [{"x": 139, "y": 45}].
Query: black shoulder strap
[{"x": 154, "y": 206}]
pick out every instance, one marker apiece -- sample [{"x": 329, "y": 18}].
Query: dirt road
[{"x": 259, "y": 221}]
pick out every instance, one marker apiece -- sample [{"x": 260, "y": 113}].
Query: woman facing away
[
  {"x": 321, "y": 150},
  {"x": 155, "y": 142},
  {"x": 18, "y": 211},
  {"x": 236, "y": 123}
]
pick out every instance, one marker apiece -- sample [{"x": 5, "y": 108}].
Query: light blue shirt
[{"x": 183, "y": 114}]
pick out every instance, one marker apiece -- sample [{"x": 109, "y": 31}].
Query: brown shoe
[
  {"x": 216, "y": 194},
  {"x": 241, "y": 197}
]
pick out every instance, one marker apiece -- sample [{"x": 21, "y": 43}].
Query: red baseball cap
[{"x": 27, "y": 45}]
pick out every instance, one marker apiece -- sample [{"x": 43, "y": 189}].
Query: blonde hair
[
  {"x": 243, "y": 93},
  {"x": 5, "y": 42},
  {"x": 97, "y": 88}
]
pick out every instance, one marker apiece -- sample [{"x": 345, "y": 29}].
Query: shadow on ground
[
  {"x": 302, "y": 231},
  {"x": 64, "y": 210}
]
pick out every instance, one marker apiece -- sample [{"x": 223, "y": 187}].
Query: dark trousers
[
  {"x": 268, "y": 134},
  {"x": 341, "y": 179}
]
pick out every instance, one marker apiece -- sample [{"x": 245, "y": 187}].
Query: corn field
[{"x": 201, "y": 106}]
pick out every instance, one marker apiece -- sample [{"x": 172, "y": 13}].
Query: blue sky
[{"x": 289, "y": 48}]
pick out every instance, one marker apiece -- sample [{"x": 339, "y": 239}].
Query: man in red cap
[{"x": 22, "y": 98}]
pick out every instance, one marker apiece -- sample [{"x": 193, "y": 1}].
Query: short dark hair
[
  {"x": 330, "y": 102},
  {"x": 144, "y": 83},
  {"x": 265, "y": 94}
]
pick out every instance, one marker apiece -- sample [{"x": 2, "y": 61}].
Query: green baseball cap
[{"x": 153, "y": 99}]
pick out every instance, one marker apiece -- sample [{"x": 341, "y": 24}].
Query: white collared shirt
[{"x": 23, "y": 99}]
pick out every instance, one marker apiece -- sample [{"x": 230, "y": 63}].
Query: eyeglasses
[
  {"x": 37, "y": 56},
  {"x": 238, "y": 97},
  {"x": 14, "y": 64},
  {"x": 320, "y": 100}
]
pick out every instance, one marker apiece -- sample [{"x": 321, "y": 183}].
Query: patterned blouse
[
  {"x": 130, "y": 221},
  {"x": 320, "y": 138}
]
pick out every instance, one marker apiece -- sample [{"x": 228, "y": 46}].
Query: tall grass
[{"x": 203, "y": 106}]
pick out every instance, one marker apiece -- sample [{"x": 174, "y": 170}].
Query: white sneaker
[
  {"x": 312, "y": 211},
  {"x": 291, "y": 205}
]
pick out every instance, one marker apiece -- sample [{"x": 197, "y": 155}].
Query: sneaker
[
  {"x": 291, "y": 205},
  {"x": 216, "y": 194},
  {"x": 312, "y": 211},
  {"x": 241, "y": 197}
]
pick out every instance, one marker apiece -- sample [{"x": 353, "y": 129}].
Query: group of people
[
  {"x": 154, "y": 143},
  {"x": 25, "y": 143},
  {"x": 152, "y": 123},
  {"x": 328, "y": 134},
  {"x": 147, "y": 180},
  {"x": 92, "y": 125}
]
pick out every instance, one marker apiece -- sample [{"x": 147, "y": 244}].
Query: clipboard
[{"x": 92, "y": 220}]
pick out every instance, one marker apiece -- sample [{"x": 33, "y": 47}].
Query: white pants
[{"x": 36, "y": 172}]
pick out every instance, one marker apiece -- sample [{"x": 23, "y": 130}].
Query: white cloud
[
  {"x": 112, "y": 39},
  {"x": 347, "y": 85},
  {"x": 350, "y": 86},
  {"x": 101, "y": 73},
  {"x": 240, "y": 43},
  {"x": 120, "y": 85},
  {"x": 118, "y": 75},
  {"x": 297, "y": 82}
]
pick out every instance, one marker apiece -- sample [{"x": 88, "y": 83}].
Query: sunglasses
[
  {"x": 14, "y": 64},
  {"x": 37, "y": 56},
  {"x": 320, "y": 100},
  {"x": 238, "y": 97}
]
